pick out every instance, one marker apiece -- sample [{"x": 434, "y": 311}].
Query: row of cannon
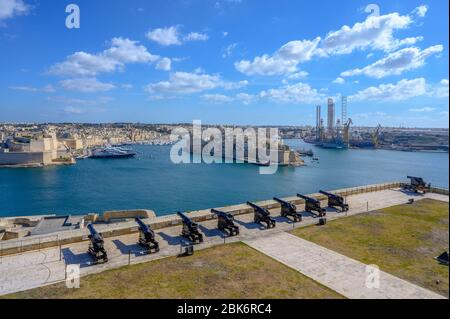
[{"x": 225, "y": 223}]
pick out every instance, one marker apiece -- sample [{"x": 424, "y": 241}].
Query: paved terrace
[
  {"x": 48, "y": 265},
  {"x": 338, "y": 272}
]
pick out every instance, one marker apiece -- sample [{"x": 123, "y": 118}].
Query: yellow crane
[
  {"x": 376, "y": 135},
  {"x": 347, "y": 132}
]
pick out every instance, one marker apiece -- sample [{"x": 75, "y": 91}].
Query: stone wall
[
  {"x": 123, "y": 228},
  {"x": 22, "y": 158}
]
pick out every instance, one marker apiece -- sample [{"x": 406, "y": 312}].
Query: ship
[
  {"x": 111, "y": 152},
  {"x": 332, "y": 145}
]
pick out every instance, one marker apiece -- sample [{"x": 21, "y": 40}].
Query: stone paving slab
[
  {"x": 338, "y": 272},
  {"x": 37, "y": 268}
]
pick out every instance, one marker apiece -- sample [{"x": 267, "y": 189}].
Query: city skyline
[{"x": 228, "y": 62}]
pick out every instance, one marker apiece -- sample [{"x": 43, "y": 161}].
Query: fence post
[
  {"x": 129, "y": 257},
  {"x": 60, "y": 250},
  {"x": 367, "y": 205}
]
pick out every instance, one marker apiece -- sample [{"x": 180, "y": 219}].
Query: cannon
[
  {"x": 190, "y": 229},
  {"x": 146, "y": 237},
  {"x": 96, "y": 246},
  {"x": 335, "y": 201},
  {"x": 417, "y": 185},
  {"x": 288, "y": 209},
  {"x": 262, "y": 215},
  {"x": 225, "y": 222},
  {"x": 313, "y": 205}
]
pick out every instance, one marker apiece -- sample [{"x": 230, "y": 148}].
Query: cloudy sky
[{"x": 224, "y": 61}]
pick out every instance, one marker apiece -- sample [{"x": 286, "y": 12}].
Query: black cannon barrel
[
  {"x": 283, "y": 202},
  {"x": 220, "y": 213},
  {"x": 92, "y": 230},
  {"x": 94, "y": 234},
  {"x": 279, "y": 200},
  {"x": 184, "y": 217},
  {"x": 329, "y": 194},
  {"x": 259, "y": 209},
  {"x": 253, "y": 205},
  {"x": 142, "y": 225},
  {"x": 309, "y": 199}
]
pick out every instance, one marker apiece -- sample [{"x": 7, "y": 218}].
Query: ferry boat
[{"x": 111, "y": 152}]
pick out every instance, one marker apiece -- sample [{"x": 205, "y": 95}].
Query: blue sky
[{"x": 224, "y": 61}]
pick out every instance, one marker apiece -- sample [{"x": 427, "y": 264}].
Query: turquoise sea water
[{"x": 152, "y": 181}]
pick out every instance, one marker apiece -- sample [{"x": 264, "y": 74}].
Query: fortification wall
[{"x": 158, "y": 222}]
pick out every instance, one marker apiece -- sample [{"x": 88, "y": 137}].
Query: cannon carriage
[
  {"x": 262, "y": 215},
  {"x": 417, "y": 185},
  {"x": 147, "y": 237},
  {"x": 225, "y": 222},
  {"x": 312, "y": 206},
  {"x": 335, "y": 201},
  {"x": 288, "y": 209},
  {"x": 190, "y": 229},
  {"x": 96, "y": 246}
]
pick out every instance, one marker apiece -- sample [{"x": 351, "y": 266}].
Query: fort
[{"x": 23, "y": 258}]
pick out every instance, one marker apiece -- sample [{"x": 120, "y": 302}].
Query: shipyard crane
[
  {"x": 375, "y": 136},
  {"x": 347, "y": 132}
]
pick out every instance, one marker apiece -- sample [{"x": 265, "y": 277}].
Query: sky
[{"x": 224, "y": 61}]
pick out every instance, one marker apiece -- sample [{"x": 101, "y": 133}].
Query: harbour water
[{"x": 152, "y": 181}]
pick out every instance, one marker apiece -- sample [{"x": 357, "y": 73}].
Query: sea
[{"x": 152, "y": 181}]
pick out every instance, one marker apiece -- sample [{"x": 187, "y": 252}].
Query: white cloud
[
  {"x": 243, "y": 98},
  {"x": 246, "y": 98},
  {"x": 423, "y": 109},
  {"x": 402, "y": 90},
  {"x": 339, "y": 80},
  {"x": 185, "y": 83},
  {"x": 164, "y": 64},
  {"x": 376, "y": 33},
  {"x": 121, "y": 52},
  {"x": 421, "y": 11},
  {"x": 441, "y": 90},
  {"x": 11, "y": 8},
  {"x": 73, "y": 110},
  {"x": 171, "y": 36},
  {"x": 216, "y": 98},
  {"x": 195, "y": 36},
  {"x": 165, "y": 36},
  {"x": 298, "y": 75},
  {"x": 370, "y": 115},
  {"x": 46, "y": 89},
  {"x": 228, "y": 50},
  {"x": 283, "y": 61},
  {"x": 86, "y": 85},
  {"x": 84, "y": 102},
  {"x": 396, "y": 63},
  {"x": 296, "y": 93}
]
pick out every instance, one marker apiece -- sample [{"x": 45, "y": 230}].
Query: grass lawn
[
  {"x": 228, "y": 271},
  {"x": 401, "y": 240}
]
